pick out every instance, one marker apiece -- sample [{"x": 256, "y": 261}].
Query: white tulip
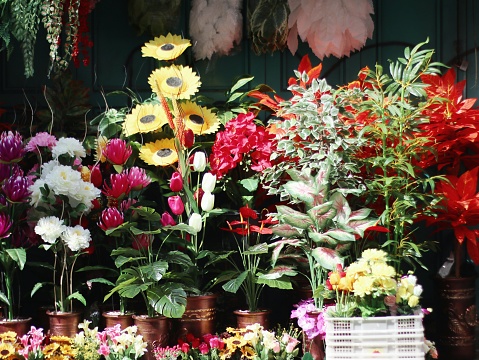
[
  {"x": 199, "y": 161},
  {"x": 209, "y": 182},
  {"x": 207, "y": 201},
  {"x": 195, "y": 222}
]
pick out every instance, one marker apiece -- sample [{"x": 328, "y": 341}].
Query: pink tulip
[
  {"x": 167, "y": 219},
  {"x": 176, "y": 182},
  {"x": 176, "y": 205}
]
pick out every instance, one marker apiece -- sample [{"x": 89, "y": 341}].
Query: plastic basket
[{"x": 389, "y": 337}]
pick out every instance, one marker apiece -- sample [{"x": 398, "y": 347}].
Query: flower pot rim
[
  {"x": 144, "y": 316},
  {"x": 49, "y": 312},
  {"x": 117, "y": 313},
  {"x": 18, "y": 319},
  {"x": 251, "y": 312}
]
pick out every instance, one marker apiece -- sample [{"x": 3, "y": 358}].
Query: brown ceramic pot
[
  {"x": 19, "y": 326},
  {"x": 245, "y": 318},
  {"x": 63, "y": 323},
  {"x": 113, "y": 318},
  {"x": 155, "y": 331},
  {"x": 199, "y": 317}
]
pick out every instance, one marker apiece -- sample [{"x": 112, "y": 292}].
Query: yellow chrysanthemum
[
  {"x": 374, "y": 255},
  {"x": 167, "y": 47},
  {"x": 383, "y": 270},
  {"x": 145, "y": 118},
  {"x": 363, "y": 286},
  {"x": 159, "y": 153},
  {"x": 6, "y": 350},
  {"x": 199, "y": 119},
  {"x": 174, "y": 82},
  {"x": 100, "y": 145}
]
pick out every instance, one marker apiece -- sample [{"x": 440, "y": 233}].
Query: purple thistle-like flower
[
  {"x": 16, "y": 190},
  {"x": 5, "y": 225},
  {"x": 138, "y": 178},
  {"x": 11, "y": 147},
  {"x": 110, "y": 218},
  {"x": 9, "y": 170}
]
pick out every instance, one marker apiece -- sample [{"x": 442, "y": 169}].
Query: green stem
[{"x": 8, "y": 285}]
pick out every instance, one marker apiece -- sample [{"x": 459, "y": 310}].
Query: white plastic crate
[{"x": 389, "y": 337}]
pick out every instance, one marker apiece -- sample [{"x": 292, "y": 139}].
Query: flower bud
[
  {"x": 207, "y": 201},
  {"x": 195, "y": 222},
  {"x": 167, "y": 219},
  {"x": 176, "y": 182},
  {"x": 188, "y": 138},
  {"x": 199, "y": 161},
  {"x": 208, "y": 183},
  {"x": 176, "y": 205}
]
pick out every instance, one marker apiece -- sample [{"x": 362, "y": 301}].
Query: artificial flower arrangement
[
  {"x": 14, "y": 197},
  {"x": 61, "y": 197},
  {"x": 251, "y": 265},
  {"x": 252, "y": 342},
  {"x": 116, "y": 344}
]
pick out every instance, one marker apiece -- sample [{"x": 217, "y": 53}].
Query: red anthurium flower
[
  {"x": 110, "y": 218},
  {"x": 460, "y": 209},
  {"x": 176, "y": 182},
  {"x": 117, "y": 151},
  {"x": 248, "y": 213},
  {"x": 176, "y": 205}
]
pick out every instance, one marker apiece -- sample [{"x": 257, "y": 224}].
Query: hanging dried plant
[
  {"x": 268, "y": 25},
  {"x": 52, "y": 12}
]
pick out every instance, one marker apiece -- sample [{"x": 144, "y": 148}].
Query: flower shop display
[
  {"x": 13, "y": 242},
  {"x": 252, "y": 269},
  {"x": 252, "y": 342}
]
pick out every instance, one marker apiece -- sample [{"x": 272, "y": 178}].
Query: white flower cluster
[
  {"x": 64, "y": 180},
  {"x": 409, "y": 291},
  {"x": 51, "y": 228}
]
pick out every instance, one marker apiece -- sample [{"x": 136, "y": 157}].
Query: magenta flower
[
  {"x": 176, "y": 182},
  {"x": 138, "y": 178},
  {"x": 16, "y": 190},
  {"x": 104, "y": 350},
  {"x": 142, "y": 241},
  {"x": 117, "y": 152},
  {"x": 120, "y": 186},
  {"x": 11, "y": 147},
  {"x": 167, "y": 219},
  {"x": 110, "y": 218},
  {"x": 41, "y": 139},
  {"x": 5, "y": 225},
  {"x": 176, "y": 205},
  {"x": 8, "y": 170}
]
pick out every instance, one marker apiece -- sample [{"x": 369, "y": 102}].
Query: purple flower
[
  {"x": 5, "y": 224},
  {"x": 41, "y": 139},
  {"x": 16, "y": 190},
  {"x": 11, "y": 147}
]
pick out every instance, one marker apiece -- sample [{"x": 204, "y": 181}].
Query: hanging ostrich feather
[
  {"x": 216, "y": 27},
  {"x": 330, "y": 27}
]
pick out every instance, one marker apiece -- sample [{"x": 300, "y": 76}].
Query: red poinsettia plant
[{"x": 454, "y": 134}]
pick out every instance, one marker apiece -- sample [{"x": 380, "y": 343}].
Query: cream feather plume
[
  {"x": 330, "y": 27},
  {"x": 216, "y": 26}
]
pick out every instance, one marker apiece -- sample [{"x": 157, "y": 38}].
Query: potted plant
[
  {"x": 15, "y": 196},
  {"x": 251, "y": 266},
  {"x": 60, "y": 198}
]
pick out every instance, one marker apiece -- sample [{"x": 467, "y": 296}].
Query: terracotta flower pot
[
  {"x": 64, "y": 323},
  {"x": 245, "y": 318},
  {"x": 19, "y": 326},
  {"x": 155, "y": 331},
  {"x": 113, "y": 318}
]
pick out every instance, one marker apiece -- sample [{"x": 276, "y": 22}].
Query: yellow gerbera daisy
[
  {"x": 167, "y": 47},
  {"x": 6, "y": 350},
  {"x": 159, "y": 153},
  {"x": 174, "y": 82},
  {"x": 61, "y": 339},
  {"x": 199, "y": 119},
  {"x": 50, "y": 349},
  {"x": 144, "y": 118},
  {"x": 248, "y": 352}
]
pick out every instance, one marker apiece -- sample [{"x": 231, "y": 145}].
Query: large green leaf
[
  {"x": 167, "y": 299},
  {"x": 282, "y": 282},
  {"x": 19, "y": 255},
  {"x": 261, "y": 248},
  {"x": 77, "y": 296},
  {"x": 234, "y": 284},
  {"x": 326, "y": 258},
  {"x": 293, "y": 217},
  {"x": 340, "y": 235},
  {"x": 285, "y": 230},
  {"x": 301, "y": 191},
  {"x": 154, "y": 271},
  {"x": 4, "y": 299}
]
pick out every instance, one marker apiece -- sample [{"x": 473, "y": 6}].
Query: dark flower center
[
  {"x": 147, "y": 119},
  {"x": 4, "y": 352},
  {"x": 196, "y": 119},
  {"x": 164, "y": 152},
  {"x": 167, "y": 47},
  {"x": 174, "y": 81}
]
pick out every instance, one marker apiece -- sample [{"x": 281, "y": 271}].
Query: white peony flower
[
  {"x": 85, "y": 194},
  {"x": 48, "y": 167},
  {"x": 50, "y": 228},
  {"x": 70, "y": 146},
  {"x": 63, "y": 180},
  {"x": 76, "y": 238},
  {"x": 36, "y": 195}
]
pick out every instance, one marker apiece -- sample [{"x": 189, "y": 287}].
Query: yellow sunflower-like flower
[
  {"x": 60, "y": 339},
  {"x": 167, "y": 47},
  {"x": 6, "y": 350},
  {"x": 248, "y": 352},
  {"x": 144, "y": 118},
  {"x": 8, "y": 336},
  {"x": 50, "y": 349},
  {"x": 174, "y": 82},
  {"x": 100, "y": 145},
  {"x": 235, "y": 342},
  {"x": 159, "y": 153},
  {"x": 199, "y": 119}
]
